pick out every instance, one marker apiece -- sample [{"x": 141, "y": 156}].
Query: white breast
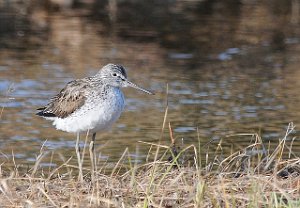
[{"x": 97, "y": 114}]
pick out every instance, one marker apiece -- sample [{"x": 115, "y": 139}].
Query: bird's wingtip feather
[{"x": 45, "y": 114}]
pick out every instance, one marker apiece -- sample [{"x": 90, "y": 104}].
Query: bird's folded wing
[{"x": 68, "y": 100}]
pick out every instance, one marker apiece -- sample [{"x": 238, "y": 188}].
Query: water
[{"x": 230, "y": 68}]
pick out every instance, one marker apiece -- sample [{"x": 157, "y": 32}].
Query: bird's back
[{"x": 68, "y": 100}]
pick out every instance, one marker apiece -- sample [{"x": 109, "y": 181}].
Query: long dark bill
[{"x": 130, "y": 84}]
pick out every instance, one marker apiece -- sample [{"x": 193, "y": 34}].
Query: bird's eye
[{"x": 114, "y": 74}]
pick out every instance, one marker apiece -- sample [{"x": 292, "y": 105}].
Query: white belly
[{"x": 95, "y": 115}]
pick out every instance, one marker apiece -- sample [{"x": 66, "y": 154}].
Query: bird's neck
[{"x": 96, "y": 81}]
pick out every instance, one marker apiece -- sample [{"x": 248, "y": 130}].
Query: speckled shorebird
[{"x": 90, "y": 104}]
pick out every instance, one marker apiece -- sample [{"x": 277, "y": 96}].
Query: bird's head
[{"x": 115, "y": 75}]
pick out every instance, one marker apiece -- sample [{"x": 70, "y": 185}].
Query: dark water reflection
[{"x": 231, "y": 67}]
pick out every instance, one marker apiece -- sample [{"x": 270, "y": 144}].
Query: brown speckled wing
[{"x": 68, "y": 100}]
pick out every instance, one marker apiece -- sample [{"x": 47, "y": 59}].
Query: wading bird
[{"x": 90, "y": 104}]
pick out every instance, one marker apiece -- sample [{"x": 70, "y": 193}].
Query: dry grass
[{"x": 255, "y": 176}]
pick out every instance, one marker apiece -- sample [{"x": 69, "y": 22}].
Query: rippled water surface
[{"x": 230, "y": 68}]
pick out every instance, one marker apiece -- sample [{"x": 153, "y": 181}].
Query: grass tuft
[{"x": 254, "y": 176}]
